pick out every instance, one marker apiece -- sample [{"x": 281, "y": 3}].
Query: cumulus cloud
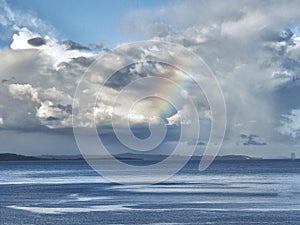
[
  {"x": 41, "y": 100},
  {"x": 54, "y": 116},
  {"x": 57, "y": 52},
  {"x": 249, "y": 45},
  {"x": 23, "y": 91}
]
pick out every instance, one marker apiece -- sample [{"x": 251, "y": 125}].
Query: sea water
[{"x": 228, "y": 192}]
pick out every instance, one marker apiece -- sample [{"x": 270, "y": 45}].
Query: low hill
[{"x": 15, "y": 157}]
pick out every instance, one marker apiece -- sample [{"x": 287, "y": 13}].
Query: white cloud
[
  {"x": 183, "y": 116},
  {"x": 47, "y": 110},
  {"x": 49, "y": 114},
  {"x": 13, "y": 20},
  {"x": 20, "y": 39},
  {"x": 56, "y": 51},
  {"x": 23, "y": 91}
]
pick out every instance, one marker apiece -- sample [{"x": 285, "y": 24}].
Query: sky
[
  {"x": 252, "y": 47},
  {"x": 96, "y": 21}
]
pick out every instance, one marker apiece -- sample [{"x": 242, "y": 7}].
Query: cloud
[
  {"x": 183, "y": 116},
  {"x": 56, "y": 51},
  {"x": 37, "y": 41},
  {"x": 83, "y": 61},
  {"x": 12, "y": 20},
  {"x": 72, "y": 45},
  {"x": 251, "y": 140},
  {"x": 23, "y": 91},
  {"x": 247, "y": 44},
  {"x": 7, "y": 80},
  {"x": 54, "y": 116},
  {"x": 250, "y": 47},
  {"x": 38, "y": 102},
  {"x": 290, "y": 124}
]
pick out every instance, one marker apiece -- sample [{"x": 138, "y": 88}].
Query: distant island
[
  {"x": 15, "y": 157},
  {"x": 125, "y": 156}
]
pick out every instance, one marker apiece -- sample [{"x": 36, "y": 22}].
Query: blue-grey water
[{"x": 229, "y": 192}]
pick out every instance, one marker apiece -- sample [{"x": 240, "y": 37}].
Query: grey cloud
[
  {"x": 36, "y": 83},
  {"x": 120, "y": 79},
  {"x": 66, "y": 108},
  {"x": 72, "y": 45},
  {"x": 138, "y": 70},
  {"x": 51, "y": 118},
  {"x": 98, "y": 47},
  {"x": 83, "y": 61},
  {"x": 246, "y": 43},
  {"x": 195, "y": 142},
  {"x": 251, "y": 140},
  {"x": 3, "y": 81},
  {"x": 124, "y": 76},
  {"x": 251, "y": 50},
  {"x": 37, "y": 41}
]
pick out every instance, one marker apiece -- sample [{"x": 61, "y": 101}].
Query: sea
[{"x": 228, "y": 192}]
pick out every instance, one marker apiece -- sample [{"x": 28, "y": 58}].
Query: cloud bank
[{"x": 250, "y": 46}]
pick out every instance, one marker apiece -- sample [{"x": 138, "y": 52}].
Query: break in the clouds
[
  {"x": 11, "y": 20},
  {"x": 251, "y": 46}
]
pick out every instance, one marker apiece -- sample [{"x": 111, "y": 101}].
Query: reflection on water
[{"x": 70, "y": 192}]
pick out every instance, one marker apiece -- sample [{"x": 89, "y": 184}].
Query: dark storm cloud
[
  {"x": 51, "y": 118},
  {"x": 83, "y": 61},
  {"x": 37, "y": 41},
  {"x": 72, "y": 45},
  {"x": 67, "y": 108},
  {"x": 122, "y": 78}
]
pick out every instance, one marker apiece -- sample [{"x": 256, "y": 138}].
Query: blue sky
[{"x": 87, "y": 21}]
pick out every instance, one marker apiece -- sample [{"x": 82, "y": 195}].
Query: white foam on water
[
  {"x": 191, "y": 189},
  {"x": 55, "y": 180},
  {"x": 249, "y": 209},
  {"x": 77, "y": 198},
  {"x": 87, "y": 199},
  {"x": 231, "y": 201},
  {"x": 63, "y": 210},
  {"x": 105, "y": 208}
]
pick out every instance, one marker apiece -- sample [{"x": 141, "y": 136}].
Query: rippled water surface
[{"x": 229, "y": 192}]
